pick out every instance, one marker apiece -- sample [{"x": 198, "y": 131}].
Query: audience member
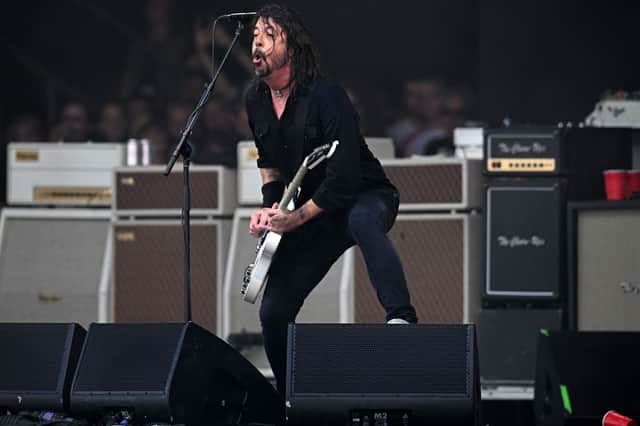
[
  {"x": 139, "y": 113},
  {"x": 455, "y": 112},
  {"x": 423, "y": 102},
  {"x": 25, "y": 128},
  {"x": 457, "y": 108},
  {"x": 74, "y": 125},
  {"x": 176, "y": 118},
  {"x": 112, "y": 124},
  {"x": 158, "y": 139}
]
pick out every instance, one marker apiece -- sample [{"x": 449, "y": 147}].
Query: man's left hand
[{"x": 284, "y": 222}]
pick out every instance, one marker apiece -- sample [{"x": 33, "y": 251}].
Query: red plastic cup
[
  {"x": 615, "y": 184},
  {"x": 633, "y": 182},
  {"x": 613, "y": 418}
]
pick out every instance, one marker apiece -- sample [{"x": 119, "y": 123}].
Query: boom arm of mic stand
[
  {"x": 183, "y": 149},
  {"x": 193, "y": 118}
]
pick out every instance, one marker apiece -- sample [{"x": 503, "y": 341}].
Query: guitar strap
[{"x": 301, "y": 124}]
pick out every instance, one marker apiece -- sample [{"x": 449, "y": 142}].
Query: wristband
[{"x": 272, "y": 193}]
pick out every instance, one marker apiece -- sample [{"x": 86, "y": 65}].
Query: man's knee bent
[{"x": 363, "y": 222}]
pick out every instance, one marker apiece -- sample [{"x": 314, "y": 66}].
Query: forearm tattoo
[
  {"x": 301, "y": 213},
  {"x": 269, "y": 175}
]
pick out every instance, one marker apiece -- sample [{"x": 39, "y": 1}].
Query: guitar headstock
[{"x": 320, "y": 154}]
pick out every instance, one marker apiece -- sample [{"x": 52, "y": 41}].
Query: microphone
[{"x": 237, "y": 15}]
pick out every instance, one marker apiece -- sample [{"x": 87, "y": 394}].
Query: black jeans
[{"x": 306, "y": 255}]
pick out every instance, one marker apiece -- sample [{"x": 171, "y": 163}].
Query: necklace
[{"x": 278, "y": 93}]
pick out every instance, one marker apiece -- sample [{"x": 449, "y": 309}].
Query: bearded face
[{"x": 269, "y": 47}]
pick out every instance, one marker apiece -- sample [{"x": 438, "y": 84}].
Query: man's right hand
[{"x": 260, "y": 220}]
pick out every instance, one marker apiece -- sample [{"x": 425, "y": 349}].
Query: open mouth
[{"x": 258, "y": 57}]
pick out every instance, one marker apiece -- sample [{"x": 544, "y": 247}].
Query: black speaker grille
[
  {"x": 25, "y": 366},
  {"x": 142, "y": 356},
  {"x": 508, "y": 340},
  {"x": 380, "y": 359},
  {"x": 524, "y": 256}
]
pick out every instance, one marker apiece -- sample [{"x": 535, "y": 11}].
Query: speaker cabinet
[
  {"x": 37, "y": 364},
  {"x": 174, "y": 373},
  {"x": 440, "y": 255},
  {"x": 524, "y": 239},
  {"x": 582, "y": 375},
  {"x": 381, "y": 374},
  {"x": 604, "y": 273},
  {"x": 436, "y": 183},
  {"x": 54, "y": 265},
  {"x": 508, "y": 343},
  {"x": 148, "y": 270},
  {"x": 145, "y": 191}
]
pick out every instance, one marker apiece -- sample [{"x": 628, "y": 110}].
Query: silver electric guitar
[{"x": 256, "y": 274}]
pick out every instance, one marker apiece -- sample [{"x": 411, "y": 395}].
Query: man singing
[{"x": 344, "y": 201}]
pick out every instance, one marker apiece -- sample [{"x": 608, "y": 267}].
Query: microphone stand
[{"x": 183, "y": 149}]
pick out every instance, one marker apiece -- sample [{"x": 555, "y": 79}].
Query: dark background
[{"x": 535, "y": 61}]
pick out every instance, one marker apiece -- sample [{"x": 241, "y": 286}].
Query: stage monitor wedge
[
  {"x": 397, "y": 374},
  {"x": 175, "y": 373},
  {"x": 582, "y": 375},
  {"x": 37, "y": 364}
]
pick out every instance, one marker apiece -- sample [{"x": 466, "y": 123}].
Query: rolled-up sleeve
[{"x": 343, "y": 179}]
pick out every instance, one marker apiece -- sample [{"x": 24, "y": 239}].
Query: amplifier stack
[
  {"x": 532, "y": 174},
  {"x": 148, "y": 281},
  {"x": 55, "y": 262}
]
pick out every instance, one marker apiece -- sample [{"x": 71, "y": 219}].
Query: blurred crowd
[{"x": 166, "y": 73}]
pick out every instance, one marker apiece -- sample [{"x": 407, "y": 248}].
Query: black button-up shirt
[{"x": 316, "y": 114}]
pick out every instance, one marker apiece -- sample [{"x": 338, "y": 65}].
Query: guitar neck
[{"x": 293, "y": 187}]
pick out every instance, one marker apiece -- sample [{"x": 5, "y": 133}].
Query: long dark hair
[{"x": 304, "y": 59}]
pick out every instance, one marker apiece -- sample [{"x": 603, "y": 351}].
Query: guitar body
[
  {"x": 259, "y": 270},
  {"x": 256, "y": 275}
]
